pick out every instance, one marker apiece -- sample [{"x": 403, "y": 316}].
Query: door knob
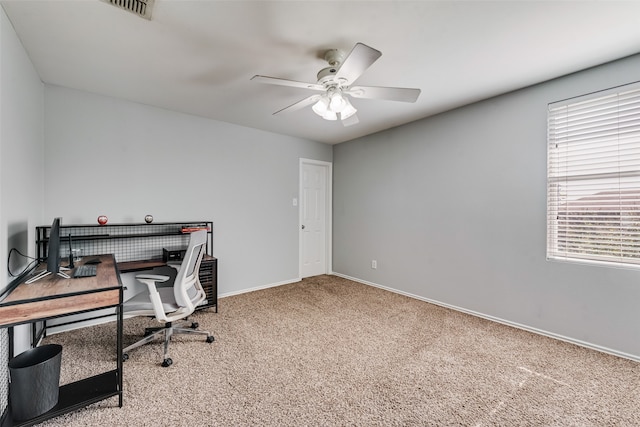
[{"x": 303, "y": 226}]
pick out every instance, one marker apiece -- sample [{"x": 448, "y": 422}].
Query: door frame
[{"x": 328, "y": 217}]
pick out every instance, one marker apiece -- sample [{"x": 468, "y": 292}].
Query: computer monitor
[{"x": 53, "y": 253}]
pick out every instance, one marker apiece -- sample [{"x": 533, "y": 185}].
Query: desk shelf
[
  {"x": 107, "y": 236},
  {"x": 76, "y": 395},
  {"x": 127, "y": 242}
]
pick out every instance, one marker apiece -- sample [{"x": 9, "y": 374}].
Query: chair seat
[{"x": 141, "y": 303}]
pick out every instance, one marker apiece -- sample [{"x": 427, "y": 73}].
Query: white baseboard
[
  {"x": 258, "y": 288},
  {"x": 80, "y": 322},
  {"x": 499, "y": 320}
]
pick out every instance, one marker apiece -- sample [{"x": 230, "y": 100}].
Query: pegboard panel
[
  {"x": 4, "y": 370},
  {"x": 127, "y": 242}
]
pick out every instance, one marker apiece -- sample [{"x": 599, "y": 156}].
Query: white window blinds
[{"x": 593, "y": 178}]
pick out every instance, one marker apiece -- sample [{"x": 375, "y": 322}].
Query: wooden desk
[
  {"x": 54, "y": 296},
  {"x": 141, "y": 265}
]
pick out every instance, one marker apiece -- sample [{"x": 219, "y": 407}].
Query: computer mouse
[{"x": 93, "y": 261}]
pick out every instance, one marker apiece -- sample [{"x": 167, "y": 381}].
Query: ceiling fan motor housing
[
  {"x": 334, "y": 57},
  {"x": 326, "y": 74}
]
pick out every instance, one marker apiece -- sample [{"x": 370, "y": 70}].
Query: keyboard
[{"x": 85, "y": 270}]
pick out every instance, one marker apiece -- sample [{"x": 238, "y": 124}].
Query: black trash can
[{"x": 35, "y": 381}]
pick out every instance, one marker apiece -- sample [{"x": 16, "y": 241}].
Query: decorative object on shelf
[
  {"x": 148, "y": 219},
  {"x": 102, "y": 219},
  {"x": 191, "y": 229}
]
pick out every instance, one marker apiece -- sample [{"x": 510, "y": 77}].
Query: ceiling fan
[{"x": 335, "y": 84}]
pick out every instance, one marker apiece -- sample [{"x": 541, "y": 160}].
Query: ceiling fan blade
[
  {"x": 285, "y": 82},
  {"x": 359, "y": 59},
  {"x": 350, "y": 121},
  {"x": 402, "y": 94},
  {"x": 299, "y": 105}
]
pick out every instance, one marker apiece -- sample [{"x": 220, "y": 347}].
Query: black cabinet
[{"x": 209, "y": 281}]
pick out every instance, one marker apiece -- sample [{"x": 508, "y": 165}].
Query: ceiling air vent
[{"x": 142, "y": 8}]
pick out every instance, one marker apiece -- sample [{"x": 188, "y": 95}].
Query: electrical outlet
[{"x": 374, "y": 264}]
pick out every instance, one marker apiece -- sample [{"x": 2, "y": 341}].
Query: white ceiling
[{"x": 197, "y": 57}]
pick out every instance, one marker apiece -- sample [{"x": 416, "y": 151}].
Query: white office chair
[{"x": 171, "y": 304}]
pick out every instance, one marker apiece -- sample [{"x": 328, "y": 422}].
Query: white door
[{"x": 314, "y": 217}]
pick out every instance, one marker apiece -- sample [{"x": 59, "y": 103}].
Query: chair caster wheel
[
  {"x": 167, "y": 362},
  {"x": 195, "y": 325},
  {"x": 210, "y": 339},
  {"x": 125, "y": 357}
]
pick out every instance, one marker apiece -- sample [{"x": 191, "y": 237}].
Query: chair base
[{"x": 166, "y": 331}]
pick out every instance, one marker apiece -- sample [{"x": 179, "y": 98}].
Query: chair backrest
[{"x": 187, "y": 288}]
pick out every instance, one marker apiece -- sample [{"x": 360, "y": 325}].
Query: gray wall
[
  {"x": 21, "y": 156},
  {"x": 125, "y": 160},
  {"x": 453, "y": 208},
  {"x": 21, "y": 173},
  {"x": 21, "y": 145}
]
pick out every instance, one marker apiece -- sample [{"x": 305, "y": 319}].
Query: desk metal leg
[{"x": 119, "y": 349}]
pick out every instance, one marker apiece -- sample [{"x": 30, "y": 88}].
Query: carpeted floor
[{"x": 330, "y": 352}]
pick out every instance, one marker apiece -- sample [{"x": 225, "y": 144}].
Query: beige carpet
[{"x": 331, "y": 352}]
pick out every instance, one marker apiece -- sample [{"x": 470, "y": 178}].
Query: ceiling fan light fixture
[
  {"x": 330, "y": 115},
  {"x": 348, "y": 110},
  {"x": 336, "y": 102},
  {"x": 333, "y": 103},
  {"x": 322, "y": 106}
]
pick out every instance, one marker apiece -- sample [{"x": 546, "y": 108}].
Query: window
[{"x": 593, "y": 178}]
